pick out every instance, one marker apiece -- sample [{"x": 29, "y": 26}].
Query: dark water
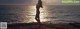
[{"x": 50, "y": 13}]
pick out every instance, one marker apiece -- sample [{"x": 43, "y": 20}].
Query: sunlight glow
[{"x": 33, "y": 11}]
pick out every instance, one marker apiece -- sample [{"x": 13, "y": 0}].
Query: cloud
[
  {"x": 15, "y": 2},
  {"x": 30, "y": 2},
  {"x": 51, "y": 2}
]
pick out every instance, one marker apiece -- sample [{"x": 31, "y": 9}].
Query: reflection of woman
[{"x": 37, "y": 17}]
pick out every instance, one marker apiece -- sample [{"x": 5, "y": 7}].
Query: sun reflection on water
[{"x": 33, "y": 12}]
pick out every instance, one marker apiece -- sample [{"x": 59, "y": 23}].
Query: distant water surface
[{"x": 49, "y": 13}]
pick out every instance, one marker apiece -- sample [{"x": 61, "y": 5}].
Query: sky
[
  {"x": 4, "y": 2},
  {"x": 29, "y": 2}
]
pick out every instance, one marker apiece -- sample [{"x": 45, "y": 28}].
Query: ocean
[{"x": 49, "y": 13}]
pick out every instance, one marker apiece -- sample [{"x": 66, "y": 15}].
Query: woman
[{"x": 38, "y": 6}]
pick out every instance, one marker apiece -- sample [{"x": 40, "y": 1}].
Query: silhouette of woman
[{"x": 38, "y": 6}]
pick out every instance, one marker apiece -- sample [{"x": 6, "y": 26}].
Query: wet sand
[{"x": 43, "y": 26}]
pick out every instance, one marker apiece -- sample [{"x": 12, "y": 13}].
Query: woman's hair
[{"x": 39, "y": 3}]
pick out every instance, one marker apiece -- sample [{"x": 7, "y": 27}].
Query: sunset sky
[{"x": 29, "y": 2}]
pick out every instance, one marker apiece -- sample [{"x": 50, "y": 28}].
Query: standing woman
[{"x": 38, "y": 6}]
